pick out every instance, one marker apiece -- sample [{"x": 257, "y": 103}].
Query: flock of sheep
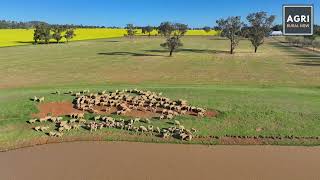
[
  {"x": 127, "y": 100},
  {"x": 124, "y": 101}
]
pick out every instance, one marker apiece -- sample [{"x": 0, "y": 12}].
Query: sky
[{"x": 195, "y": 13}]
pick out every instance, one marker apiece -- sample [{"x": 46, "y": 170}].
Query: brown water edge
[
  {"x": 148, "y": 138},
  {"x": 124, "y": 160}
]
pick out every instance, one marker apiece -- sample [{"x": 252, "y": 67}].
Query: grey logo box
[{"x": 297, "y": 19}]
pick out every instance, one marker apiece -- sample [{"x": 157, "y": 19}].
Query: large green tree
[
  {"x": 173, "y": 32},
  {"x": 231, "y": 29},
  {"x": 57, "y": 30},
  {"x": 260, "y": 27},
  {"x": 42, "y": 33}
]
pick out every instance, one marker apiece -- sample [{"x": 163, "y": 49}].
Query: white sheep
[
  {"x": 59, "y": 134},
  {"x": 143, "y": 129},
  {"x": 72, "y": 120},
  {"x": 32, "y": 121},
  {"x": 41, "y": 99},
  {"x": 51, "y": 133},
  {"x": 37, "y": 128},
  {"x": 44, "y": 128},
  {"x": 176, "y": 122}
]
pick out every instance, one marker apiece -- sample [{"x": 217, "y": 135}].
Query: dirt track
[{"x": 123, "y": 160}]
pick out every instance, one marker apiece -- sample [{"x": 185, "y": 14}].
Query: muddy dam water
[{"x": 124, "y": 160}]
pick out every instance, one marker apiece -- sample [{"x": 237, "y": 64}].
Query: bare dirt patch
[{"x": 55, "y": 109}]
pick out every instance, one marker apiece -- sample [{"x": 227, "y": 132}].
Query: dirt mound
[{"x": 55, "y": 109}]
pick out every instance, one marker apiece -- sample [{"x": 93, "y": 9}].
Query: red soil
[{"x": 55, "y": 109}]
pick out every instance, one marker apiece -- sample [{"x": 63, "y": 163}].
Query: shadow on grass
[
  {"x": 192, "y": 50},
  {"x": 111, "y": 41},
  {"x": 127, "y": 53},
  {"x": 306, "y": 57},
  {"x": 32, "y": 42},
  {"x": 310, "y": 59}
]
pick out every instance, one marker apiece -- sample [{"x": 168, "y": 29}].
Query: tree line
[
  {"x": 303, "y": 41},
  {"x": 259, "y": 26},
  {"x": 32, "y": 24},
  {"x": 43, "y": 33},
  {"x": 232, "y": 28}
]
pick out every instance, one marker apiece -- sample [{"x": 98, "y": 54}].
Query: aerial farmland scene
[{"x": 176, "y": 89}]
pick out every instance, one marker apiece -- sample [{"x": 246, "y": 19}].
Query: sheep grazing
[
  {"x": 62, "y": 123},
  {"x": 107, "y": 109},
  {"x": 57, "y": 92},
  {"x": 75, "y": 126},
  {"x": 189, "y": 137},
  {"x": 60, "y": 129},
  {"x": 165, "y": 135},
  {"x": 51, "y": 133},
  {"x": 181, "y": 127},
  {"x": 157, "y": 130},
  {"x": 150, "y": 128},
  {"x": 169, "y": 116},
  {"x": 37, "y": 128},
  {"x": 110, "y": 119},
  {"x": 43, "y": 119},
  {"x": 183, "y": 136},
  {"x": 183, "y": 112},
  {"x": 93, "y": 126},
  {"x": 59, "y": 134},
  {"x": 72, "y": 120},
  {"x": 32, "y": 121},
  {"x": 35, "y": 98},
  {"x": 44, "y": 128},
  {"x": 67, "y": 127},
  {"x": 200, "y": 114},
  {"x": 96, "y": 118},
  {"x": 124, "y": 102},
  {"x": 81, "y": 120},
  {"x": 147, "y": 121},
  {"x": 53, "y": 119},
  {"x": 143, "y": 129},
  {"x": 136, "y": 129},
  {"x": 41, "y": 99},
  {"x": 80, "y": 115},
  {"x": 136, "y": 119},
  {"x": 177, "y": 123},
  {"x": 193, "y": 130}
]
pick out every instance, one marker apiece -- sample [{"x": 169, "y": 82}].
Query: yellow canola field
[{"x": 14, "y": 37}]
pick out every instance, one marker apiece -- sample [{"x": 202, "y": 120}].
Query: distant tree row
[
  {"x": 32, "y": 24},
  {"x": 44, "y": 33},
  {"x": 18, "y": 25},
  {"x": 303, "y": 41},
  {"x": 233, "y": 28}
]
